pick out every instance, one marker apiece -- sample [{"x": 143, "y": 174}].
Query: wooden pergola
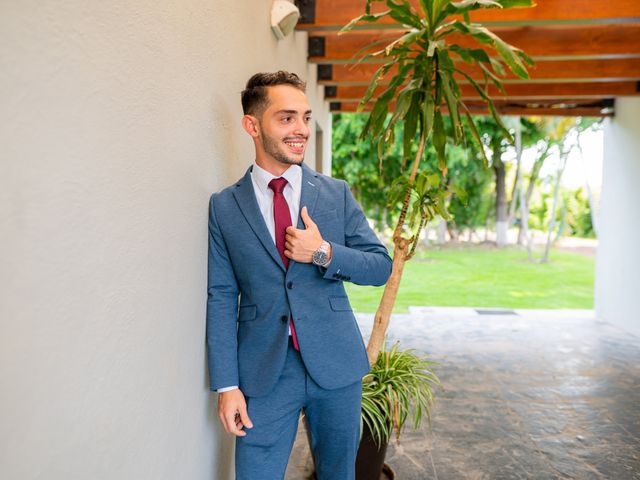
[{"x": 587, "y": 53}]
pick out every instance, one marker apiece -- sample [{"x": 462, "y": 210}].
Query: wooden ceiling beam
[
  {"x": 333, "y": 14},
  {"x": 533, "y": 102},
  {"x": 526, "y": 112},
  {"x": 593, "y": 90},
  {"x": 593, "y": 41},
  {"x": 603, "y": 108},
  {"x": 551, "y": 70}
]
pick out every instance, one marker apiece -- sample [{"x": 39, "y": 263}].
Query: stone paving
[{"x": 528, "y": 394}]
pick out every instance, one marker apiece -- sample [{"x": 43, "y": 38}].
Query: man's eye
[
  {"x": 307, "y": 119},
  {"x": 286, "y": 119}
]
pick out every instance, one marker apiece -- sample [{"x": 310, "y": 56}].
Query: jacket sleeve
[
  {"x": 222, "y": 309},
  {"x": 363, "y": 259}
]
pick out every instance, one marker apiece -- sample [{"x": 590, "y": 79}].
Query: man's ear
[{"x": 250, "y": 124}]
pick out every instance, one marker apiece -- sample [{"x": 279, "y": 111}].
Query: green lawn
[{"x": 487, "y": 277}]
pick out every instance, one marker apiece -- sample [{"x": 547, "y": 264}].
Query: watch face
[{"x": 320, "y": 257}]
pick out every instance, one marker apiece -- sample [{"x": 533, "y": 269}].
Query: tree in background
[
  {"x": 495, "y": 146},
  {"x": 355, "y": 160},
  {"x": 565, "y": 134},
  {"x": 561, "y": 129},
  {"x": 543, "y": 146},
  {"x": 471, "y": 181}
]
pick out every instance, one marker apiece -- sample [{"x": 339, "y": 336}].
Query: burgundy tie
[{"x": 282, "y": 218}]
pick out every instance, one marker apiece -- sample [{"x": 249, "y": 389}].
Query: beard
[{"x": 275, "y": 148}]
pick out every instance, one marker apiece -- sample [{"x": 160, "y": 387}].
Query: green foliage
[
  {"x": 465, "y": 195},
  {"x": 573, "y": 217},
  {"x": 426, "y": 72},
  {"x": 539, "y": 215},
  {"x": 355, "y": 160},
  {"x": 380, "y": 190},
  {"x": 473, "y": 183},
  {"x": 428, "y": 197},
  {"x": 578, "y": 213},
  {"x": 399, "y": 385}
]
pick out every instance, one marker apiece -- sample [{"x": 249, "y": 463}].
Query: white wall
[
  {"x": 618, "y": 261},
  {"x": 118, "y": 121}
]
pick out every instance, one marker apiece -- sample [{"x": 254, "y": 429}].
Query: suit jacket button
[
  {"x": 289, "y": 285},
  {"x": 284, "y": 318}
]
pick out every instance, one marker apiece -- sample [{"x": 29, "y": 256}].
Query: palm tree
[{"x": 422, "y": 69}]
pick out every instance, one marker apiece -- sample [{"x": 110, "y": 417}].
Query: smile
[{"x": 295, "y": 144}]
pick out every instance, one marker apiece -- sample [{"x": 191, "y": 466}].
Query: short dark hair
[{"x": 255, "y": 98}]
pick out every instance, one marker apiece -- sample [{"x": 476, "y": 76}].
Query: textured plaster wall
[
  {"x": 118, "y": 121},
  {"x": 618, "y": 261}
]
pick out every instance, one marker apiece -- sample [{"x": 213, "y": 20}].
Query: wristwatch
[{"x": 321, "y": 255}]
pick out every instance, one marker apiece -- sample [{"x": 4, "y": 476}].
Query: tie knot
[{"x": 277, "y": 184}]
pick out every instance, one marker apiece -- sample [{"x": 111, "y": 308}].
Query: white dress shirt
[{"x": 260, "y": 179}]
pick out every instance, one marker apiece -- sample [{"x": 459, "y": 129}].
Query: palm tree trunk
[
  {"x": 400, "y": 252},
  {"x": 383, "y": 315}
]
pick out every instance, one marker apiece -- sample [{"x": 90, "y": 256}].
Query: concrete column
[{"x": 618, "y": 260}]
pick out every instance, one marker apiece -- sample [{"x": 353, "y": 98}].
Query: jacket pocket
[
  {"x": 247, "y": 313},
  {"x": 325, "y": 215},
  {"x": 339, "y": 304}
]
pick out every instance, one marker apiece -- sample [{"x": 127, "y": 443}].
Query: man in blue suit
[{"x": 281, "y": 335}]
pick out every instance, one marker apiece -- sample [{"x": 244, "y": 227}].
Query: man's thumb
[
  {"x": 244, "y": 417},
  {"x": 306, "y": 218}
]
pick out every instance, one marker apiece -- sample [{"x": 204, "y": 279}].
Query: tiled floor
[{"x": 532, "y": 394}]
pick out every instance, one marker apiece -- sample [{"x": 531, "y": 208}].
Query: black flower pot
[{"x": 370, "y": 459}]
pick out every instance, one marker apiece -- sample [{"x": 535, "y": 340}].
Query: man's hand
[
  {"x": 232, "y": 410},
  {"x": 300, "y": 244}
]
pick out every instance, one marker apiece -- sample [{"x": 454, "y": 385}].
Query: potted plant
[{"x": 399, "y": 387}]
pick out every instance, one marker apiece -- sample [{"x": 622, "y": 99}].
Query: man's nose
[{"x": 302, "y": 128}]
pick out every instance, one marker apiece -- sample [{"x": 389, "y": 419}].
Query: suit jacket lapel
[
  {"x": 309, "y": 193},
  {"x": 246, "y": 199}
]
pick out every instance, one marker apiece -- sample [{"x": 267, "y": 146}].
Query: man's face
[{"x": 284, "y": 125}]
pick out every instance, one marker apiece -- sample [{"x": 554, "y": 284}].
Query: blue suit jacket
[{"x": 251, "y": 294}]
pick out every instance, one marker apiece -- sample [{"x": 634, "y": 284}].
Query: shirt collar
[{"x": 293, "y": 175}]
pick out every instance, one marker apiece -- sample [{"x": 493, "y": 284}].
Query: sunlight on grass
[
  {"x": 521, "y": 294},
  {"x": 487, "y": 277}
]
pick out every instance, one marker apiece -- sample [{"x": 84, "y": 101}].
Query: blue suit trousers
[{"x": 333, "y": 417}]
